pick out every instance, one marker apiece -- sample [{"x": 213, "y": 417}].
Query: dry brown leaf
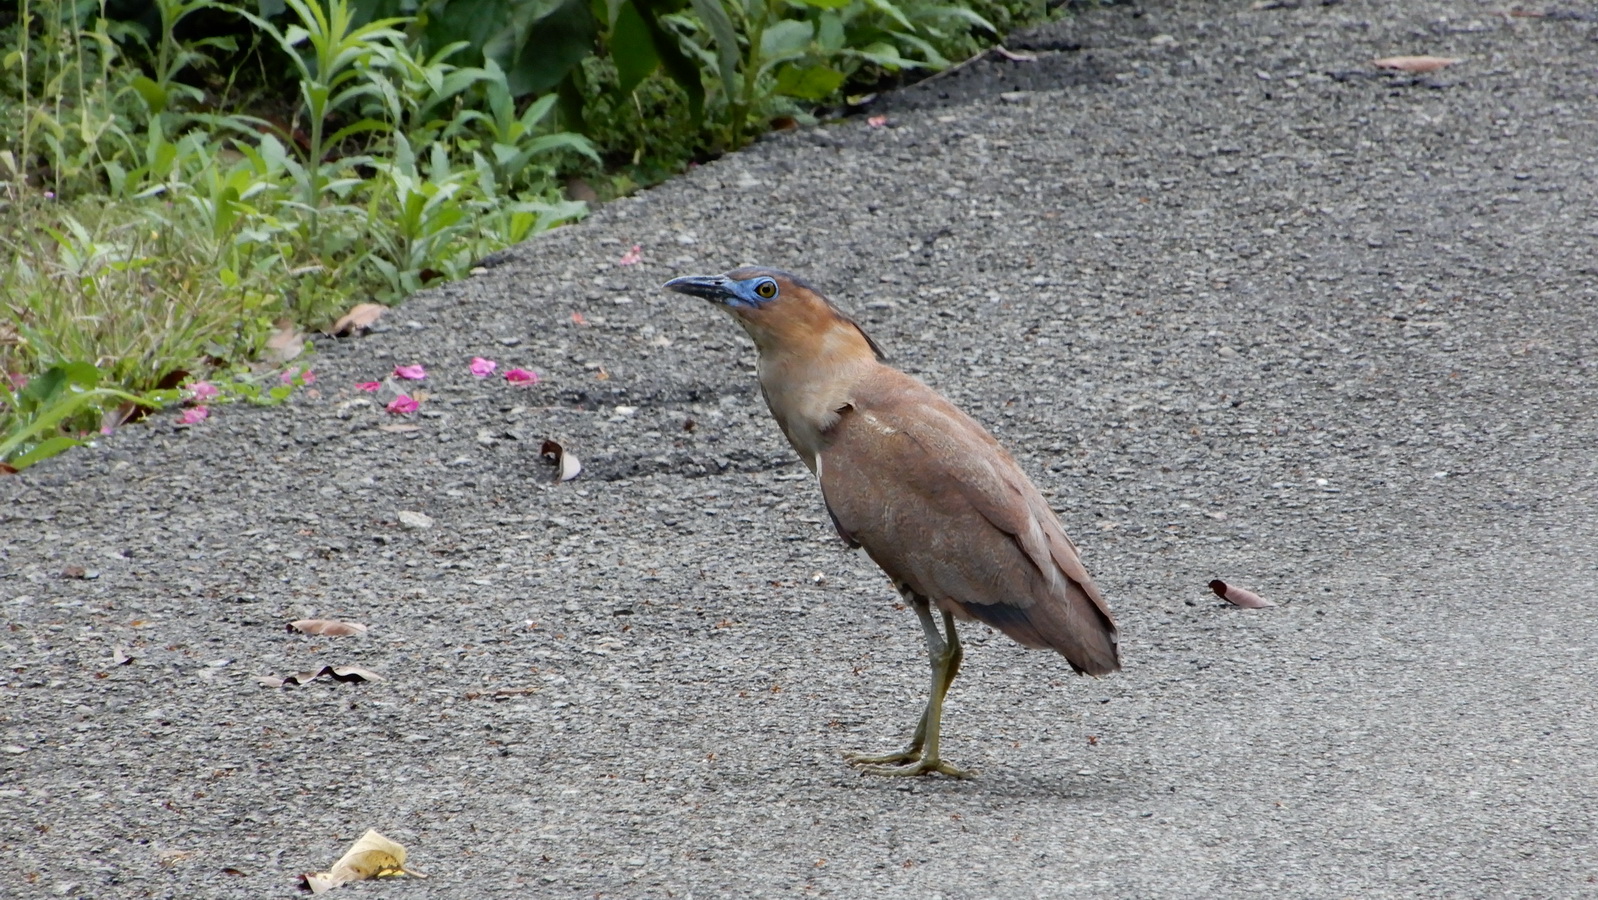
[
  {"x": 373, "y": 856},
  {"x": 287, "y": 341},
  {"x": 337, "y": 673},
  {"x": 1239, "y": 597},
  {"x": 567, "y": 465},
  {"x": 1416, "y": 64},
  {"x": 326, "y": 627},
  {"x": 360, "y": 317},
  {"x": 1015, "y": 55}
]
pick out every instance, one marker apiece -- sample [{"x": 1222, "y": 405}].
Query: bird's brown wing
[{"x": 944, "y": 510}]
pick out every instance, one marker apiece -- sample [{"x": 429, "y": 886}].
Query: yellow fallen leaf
[
  {"x": 1416, "y": 64},
  {"x": 373, "y": 856}
]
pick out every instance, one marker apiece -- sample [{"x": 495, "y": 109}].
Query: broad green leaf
[
  {"x": 631, "y": 49},
  {"x": 785, "y": 40},
  {"x": 553, "y": 40},
  {"x": 829, "y": 33},
  {"x": 811, "y": 83},
  {"x": 155, "y": 96}
]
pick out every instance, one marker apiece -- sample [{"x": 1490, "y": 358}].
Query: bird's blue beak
[{"x": 715, "y": 288}]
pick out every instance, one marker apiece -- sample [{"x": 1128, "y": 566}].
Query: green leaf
[
  {"x": 887, "y": 8},
  {"x": 714, "y": 17},
  {"x": 552, "y": 39},
  {"x": 44, "y": 450},
  {"x": 811, "y": 83},
  {"x": 155, "y": 96},
  {"x": 829, "y": 34},
  {"x": 785, "y": 40},
  {"x": 826, "y": 4},
  {"x": 632, "y": 49},
  {"x": 679, "y": 65}
]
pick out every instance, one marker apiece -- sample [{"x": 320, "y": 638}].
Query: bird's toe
[
  {"x": 908, "y": 755},
  {"x": 920, "y": 767}
]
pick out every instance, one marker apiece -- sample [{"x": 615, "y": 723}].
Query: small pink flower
[
  {"x": 19, "y": 380},
  {"x": 632, "y": 257},
  {"x": 877, "y": 121},
  {"x": 402, "y": 404},
  {"x": 521, "y": 376},
  {"x": 414, "y": 373},
  {"x": 201, "y": 391},
  {"x": 483, "y": 368},
  {"x": 194, "y": 415},
  {"x": 305, "y": 376},
  {"x": 368, "y": 386}
]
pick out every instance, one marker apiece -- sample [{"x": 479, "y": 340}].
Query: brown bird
[{"x": 929, "y": 494}]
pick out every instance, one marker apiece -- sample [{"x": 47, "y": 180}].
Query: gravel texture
[{"x": 1247, "y": 308}]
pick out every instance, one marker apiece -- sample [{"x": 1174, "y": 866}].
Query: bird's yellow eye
[{"x": 766, "y": 289}]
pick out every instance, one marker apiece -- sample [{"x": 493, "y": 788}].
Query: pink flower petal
[
  {"x": 368, "y": 386},
  {"x": 403, "y": 404},
  {"x": 877, "y": 121},
  {"x": 521, "y": 376},
  {"x": 632, "y": 257},
  {"x": 483, "y": 368},
  {"x": 203, "y": 391},
  {"x": 304, "y": 376},
  {"x": 414, "y": 373},
  {"x": 194, "y": 415}
]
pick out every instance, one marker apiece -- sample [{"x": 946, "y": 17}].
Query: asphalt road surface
[{"x": 1244, "y": 305}]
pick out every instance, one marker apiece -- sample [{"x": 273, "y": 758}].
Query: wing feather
[{"x": 941, "y": 507}]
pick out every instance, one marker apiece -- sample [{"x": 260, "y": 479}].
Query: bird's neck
[{"x": 809, "y": 375}]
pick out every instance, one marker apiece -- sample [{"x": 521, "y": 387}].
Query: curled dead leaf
[
  {"x": 337, "y": 673},
  {"x": 360, "y": 317},
  {"x": 326, "y": 627},
  {"x": 1418, "y": 65},
  {"x": 373, "y": 856},
  {"x": 567, "y": 465},
  {"x": 1238, "y": 596},
  {"x": 286, "y": 342}
]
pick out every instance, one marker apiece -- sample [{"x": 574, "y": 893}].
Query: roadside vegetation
[{"x": 188, "y": 187}]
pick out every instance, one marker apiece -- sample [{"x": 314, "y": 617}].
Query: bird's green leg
[{"x": 921, "y": 757}]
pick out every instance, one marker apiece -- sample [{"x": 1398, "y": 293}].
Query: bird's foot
[
  {"x": 919, "y": 767},
  {"x": 907, "y": 755}
]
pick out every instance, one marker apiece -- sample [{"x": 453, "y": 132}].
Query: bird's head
[{"x": 780, "y": 311}]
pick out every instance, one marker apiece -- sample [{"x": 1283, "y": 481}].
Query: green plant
[
  {"x": 336, "y": 72},
  {"x": 53, "y": 411}
]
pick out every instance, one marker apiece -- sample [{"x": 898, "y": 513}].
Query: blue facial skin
[{"x": 749, "y": 293}]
